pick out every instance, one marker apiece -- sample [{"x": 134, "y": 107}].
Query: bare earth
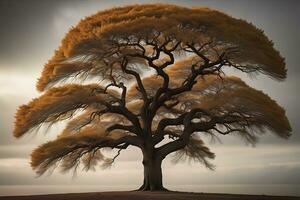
[{"x": 134, "y": 195}]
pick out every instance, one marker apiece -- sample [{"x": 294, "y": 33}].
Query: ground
[{"x": 134, "y": 195}]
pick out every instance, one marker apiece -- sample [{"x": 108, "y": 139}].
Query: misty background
[{"x": 32, "y": 29}]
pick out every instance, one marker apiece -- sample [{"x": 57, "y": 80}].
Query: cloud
[
  {"x": 15, "y": 90},
  {"x": 14, "y": 151},
  {"x": 21, "y": 174},
  {"x": 235, "y": 165}
]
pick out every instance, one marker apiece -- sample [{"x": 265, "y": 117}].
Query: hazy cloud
[{"x": 264, "y": 164}]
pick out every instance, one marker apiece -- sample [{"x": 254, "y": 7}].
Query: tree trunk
[{"x": 152, "y": 172}]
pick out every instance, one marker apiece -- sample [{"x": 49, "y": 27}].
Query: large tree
[{"x": 152, "y": 76}]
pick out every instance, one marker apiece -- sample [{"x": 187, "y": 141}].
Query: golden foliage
[
  {"x": 232, "y": 95},
  {"x": 80, "y": 121},
  {"x": 57, "y": 104},
  {"x": 88, "y": 46},
  {"x": 88, "y": 122},
  {"x": 71, "y": 149}
]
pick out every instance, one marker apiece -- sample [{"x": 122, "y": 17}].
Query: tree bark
[{"x": 152, "y": 172}]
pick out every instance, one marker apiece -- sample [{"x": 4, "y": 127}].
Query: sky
[{"x": 32, "y": 29}]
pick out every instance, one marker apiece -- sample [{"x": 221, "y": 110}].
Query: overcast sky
[{"x": 32, "y": 29}]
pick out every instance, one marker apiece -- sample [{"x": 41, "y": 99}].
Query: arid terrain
[{"x": 134, "y": 195}]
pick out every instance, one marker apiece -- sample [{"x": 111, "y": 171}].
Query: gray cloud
[{"x": 235, "y": 165}]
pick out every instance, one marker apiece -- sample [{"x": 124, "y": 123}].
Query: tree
[{"x": 152, "y": 76}]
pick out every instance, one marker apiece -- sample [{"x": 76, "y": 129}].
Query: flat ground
[{"x": 134, "y": 195}]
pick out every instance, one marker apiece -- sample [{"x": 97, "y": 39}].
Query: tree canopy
[{"x": 157, "y": 72}]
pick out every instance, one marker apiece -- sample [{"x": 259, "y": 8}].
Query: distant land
[{"x": 137, "y": 195}]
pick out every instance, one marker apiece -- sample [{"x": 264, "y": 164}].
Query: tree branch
[
  {"x": 121, "y": 109},
  {"x": 129, "y": 128},
  {"x": 141, "y": 87}
]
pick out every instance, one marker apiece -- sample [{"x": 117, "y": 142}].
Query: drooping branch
[
  {"x": 58, "y": 104},
  {"x": 195, "y": 150},
  {"x": 70, "y": 151},
  {"x": 110, "y": 161},
  {"x": 83, "y": 120},
  {"x": 236, "y": 109}
]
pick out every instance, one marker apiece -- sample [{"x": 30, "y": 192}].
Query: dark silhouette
[{"x": 159, "y": 85}]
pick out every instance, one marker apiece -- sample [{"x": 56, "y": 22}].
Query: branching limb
[
  {"x": 183, "y": 119},
  {"x": 122, "y": 110},
  {"x": 230, "y": 130},
  {"x": 129, "y": 128},
  {"x": 141, "y": 87}
]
